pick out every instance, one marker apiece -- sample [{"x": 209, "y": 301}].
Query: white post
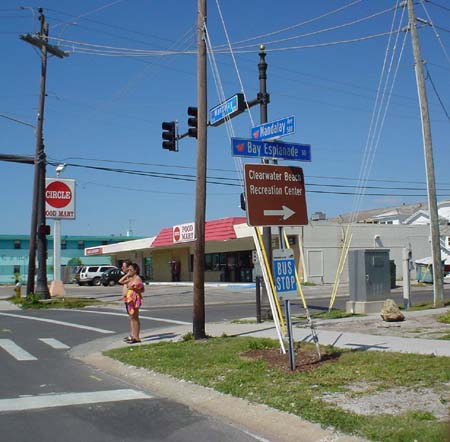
[
  {"x": 57, "y": 250},
  {"x": 57, "y": 286}
]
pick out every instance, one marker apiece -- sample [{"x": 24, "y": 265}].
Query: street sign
[
  {"x": 275, "y": 195},
  {"x": 284, "y": 273},
  {"x": 228, "y": 109},
  {"x": 274, "y": 129},
  {"x": 244, "y": 147},
  {"x": 59, "y": 198}
]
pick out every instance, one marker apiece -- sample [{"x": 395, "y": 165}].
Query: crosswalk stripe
[
  {"x": 15, "y": 351},
  {"x": 53, "y": 321},
  {"x": 54, "y": 343},
  {"x": 66, "y": 399},
  {"x": 151, "y": 318}
]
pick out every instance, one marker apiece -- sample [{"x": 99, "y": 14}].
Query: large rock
[{"x": 390, "y": 312}]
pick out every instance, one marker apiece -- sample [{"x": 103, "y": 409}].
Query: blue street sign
[
  {"x": 274, "y": 129},
  {"x": 284, "y": 273},
  {"x": 244, "y": 147},
  {"x": 228, "y": 109}
]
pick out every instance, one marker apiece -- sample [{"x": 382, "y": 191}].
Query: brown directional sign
[{"x": 275, "y": 195}]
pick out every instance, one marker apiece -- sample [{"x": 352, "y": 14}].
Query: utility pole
[
  {"x": 198, "y": 314},
  {"x": 38, "y": 231},
  {"x": 438, "y": 287}
]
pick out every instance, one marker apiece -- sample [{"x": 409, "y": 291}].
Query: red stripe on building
[{"x": 217, "y": 230}]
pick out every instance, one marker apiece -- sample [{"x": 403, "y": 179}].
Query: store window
[
  {"x": 17, "y": 244},
  {"x": 80, "y": 244},
  {"x": 63, "y": 244}
]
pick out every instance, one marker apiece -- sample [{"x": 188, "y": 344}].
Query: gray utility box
[{"x": 369, "y": 274}]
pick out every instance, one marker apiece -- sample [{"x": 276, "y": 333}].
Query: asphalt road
[{"x": 45, "y": 395}]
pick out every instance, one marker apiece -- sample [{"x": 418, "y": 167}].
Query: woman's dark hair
[{"x": 135, "y": 267}]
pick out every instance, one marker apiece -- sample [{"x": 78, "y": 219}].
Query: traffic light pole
[
  {"x": 264, "y": 99},
  {"x": 198, "y": 314}
]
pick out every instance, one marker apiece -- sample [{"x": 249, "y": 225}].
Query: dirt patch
[
  {"x": 393, "y": 401},
  {"x": 305, "y": 359},
  {"x": 361, "y": 398}
]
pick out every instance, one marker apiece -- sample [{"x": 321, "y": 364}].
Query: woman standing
[{"x": 133, "y": 301}]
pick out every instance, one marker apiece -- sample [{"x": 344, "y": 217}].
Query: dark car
[{"x": 111, "y": 277}]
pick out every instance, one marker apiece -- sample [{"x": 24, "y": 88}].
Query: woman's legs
[{"x": 135, "y": 325}]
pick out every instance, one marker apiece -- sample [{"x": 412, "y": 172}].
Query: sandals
[
  {"x": 128, "y": 338},
  {"x": 133, "y": 341}
]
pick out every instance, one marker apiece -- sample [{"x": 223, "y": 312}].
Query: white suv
[{"x": 91, "y": 274}]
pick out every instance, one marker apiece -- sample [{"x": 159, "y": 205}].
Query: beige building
[{"x": 229, "y": 257}]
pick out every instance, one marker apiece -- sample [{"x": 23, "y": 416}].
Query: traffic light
[
  {"x": 169, "y": 135},
  {"x": 193, "y": 121},
  {"x": 44, "y": 229}
]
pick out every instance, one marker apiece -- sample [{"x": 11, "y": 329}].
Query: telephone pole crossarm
[{"x": 39, "y": 42}]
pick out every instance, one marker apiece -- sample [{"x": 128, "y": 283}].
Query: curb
[{"x": 262, "y": 421}]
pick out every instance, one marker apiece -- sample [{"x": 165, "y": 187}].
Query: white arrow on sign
[{"x": 285, "y": 212}]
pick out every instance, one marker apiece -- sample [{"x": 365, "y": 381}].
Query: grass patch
[
  {"x": 216, "y": 363},
  {"x": 333, "y": 314},
  {"x": 425, "y": 306},
  {"x": 445, "y": 318},
  {"x": 35, "y": 302}
]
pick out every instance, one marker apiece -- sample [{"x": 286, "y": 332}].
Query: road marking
[
  {"x": 54, "y": 343},
  {"x": 15, "y": 351},
  {"x": 53, "y": 321},
  {"x": 151, "y": 318},
  {"x": 66, "y": 399}
]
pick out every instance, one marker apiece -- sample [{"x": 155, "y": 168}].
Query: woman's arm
[{"x": 124, "y": 279}]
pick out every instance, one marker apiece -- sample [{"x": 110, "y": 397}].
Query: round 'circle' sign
[
  {"x": 176, "y": 233},
  {"x": 58, "y": 194}
]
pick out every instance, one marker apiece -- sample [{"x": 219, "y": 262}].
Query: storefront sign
[
  {"x": 183, "y": 233},
  {"x": 59, "y": 198}
]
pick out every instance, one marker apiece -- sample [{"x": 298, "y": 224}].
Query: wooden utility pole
[
  {"x": 438, "y": 287},
  {"x": 198, "y": 319},
  {"x": 37, "y": 234}
]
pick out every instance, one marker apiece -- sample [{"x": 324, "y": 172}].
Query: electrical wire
[
  {"x": 321, "y": 31},
  {"x": 327, "y": 14},
  {"x": 436, "y": 92},
  {"x": 435, "y": 31},
  {"x": 174, "y": 166}
]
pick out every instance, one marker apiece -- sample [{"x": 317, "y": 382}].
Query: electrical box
[{"x": 369, "y": 274}]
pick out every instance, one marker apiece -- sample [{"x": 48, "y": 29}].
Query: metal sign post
[{"x": 287, "y": 308}]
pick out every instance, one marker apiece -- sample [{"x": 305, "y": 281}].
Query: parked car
[
  {"x": 91, "y": 274},
  {"x": 111, "y": 277}
]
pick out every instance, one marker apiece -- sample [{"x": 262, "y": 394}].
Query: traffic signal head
[
  {"x": 192, "y": 121},
  {"x": 169, "y": 135},
  {"x": 44, "y": 229}
]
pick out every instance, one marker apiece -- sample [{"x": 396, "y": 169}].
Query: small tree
[{"x": 75, "y": 261}]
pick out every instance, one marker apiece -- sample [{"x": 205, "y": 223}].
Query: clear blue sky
[{"x": 106, "y": 110}]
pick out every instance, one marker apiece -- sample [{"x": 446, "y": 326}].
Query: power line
[
  {"x": 55, "y": 161},
  {"x": 439, "y": 6},
  {"x": 436, "y": 92},
  {"x": 235, "y": 182}
]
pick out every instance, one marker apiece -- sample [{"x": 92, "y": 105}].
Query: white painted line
[
  {"x": 15, "y": 351},
  {"x": 53, "y": 321},
  {"x": 54, "y": 343},
  {"x": 151, "y": 318},
  {"x": 66, "y": 399}
]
